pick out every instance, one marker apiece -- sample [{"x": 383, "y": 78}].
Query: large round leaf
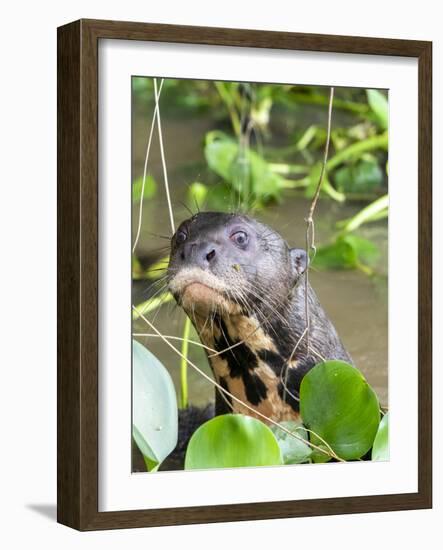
[
  {"x": 380, "y": 450},
  {"x": 338, "y": 404},
  {"x": 231, "y": 441},
  {"x": 155, "y": 414}
]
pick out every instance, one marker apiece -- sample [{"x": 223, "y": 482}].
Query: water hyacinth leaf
[
  {"x": 266, "y": 185},
  {"x": 293, "y": 450},
  {"x": 148, "y": 191},
  {"x": 338, "y": 255},
  {"x": 253, "y": 175},
  {"x": 220, "y": 153},
  {"x": 338, "y": 405},
  {"x": 380, "y": 450},
  {"x": 155, "y": 414},
  {"x": 318, "y": 456},
  {"x": 232, "y": 441},
  {"x": 366, "y": 250},
  {"x": 363, "y": 177},
  {"x": 246, "y": 171},
  {"x": 346, "y": 252},
  {"x": 240, "y": 174},
  {"x": 380, "y": 107}
]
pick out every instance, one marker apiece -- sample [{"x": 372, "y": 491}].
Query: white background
[{"x": 28, "y": 230}]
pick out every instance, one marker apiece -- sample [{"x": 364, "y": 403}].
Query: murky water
[{"x": 356, "y": 303}]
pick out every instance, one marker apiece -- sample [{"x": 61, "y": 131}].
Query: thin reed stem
[
  {"x": 310, "y": 230},
  {"x": 162, "y": 154},
  {"x": 193, "y": 342},
  {"x": 145, "y": 167}
]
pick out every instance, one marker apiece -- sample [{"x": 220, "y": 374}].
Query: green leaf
[
  {"x": 232, "y": 441},
  {"x": 380, "y": 107},
  {"x": 365, "y": 250},
  {"x": 317, "y": 456},
  {"x": 154, "y": 413},
  {"x": 293, "y": 450},
  {"x": 363, "y": 177},
  {"x": 338, "y": 405},
  {"x": 220, "y": 154},
  {"x": 246, "y": 171},
  {"x": 266, "y": 185},
  {"x": 149, "y": 190},
  {"x": 338, "y": 255},
  {"x": 380, "y": 450},
  {"x": 346, "y": 252}
]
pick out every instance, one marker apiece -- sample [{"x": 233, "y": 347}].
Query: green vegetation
[
  {"x": 263, "y": 145},
  {"x": 232, "y": 441},
  {"x": 340, "y": 420},
  {"x": 245, "y": 169},
  {"x": 152, "y": 390},
  {"x": 380, "y": 450},
  {"x": 340, "y": 407},
  {"x": 293, "y": 450}
]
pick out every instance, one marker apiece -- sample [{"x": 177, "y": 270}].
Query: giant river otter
[{"x": 243, "y": 288}]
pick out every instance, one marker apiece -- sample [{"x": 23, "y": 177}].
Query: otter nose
[
  {"x": 206, "y": 254},
  {"x": 201, "y": 254},
  {"x": 210, "y": 255}
]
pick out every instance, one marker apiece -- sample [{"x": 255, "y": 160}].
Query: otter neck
[{"x": 248, "y": 364}]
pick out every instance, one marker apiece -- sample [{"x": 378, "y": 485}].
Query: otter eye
[
  {"x": 240, "y": 238},
  {"x": 180, "y": 237}
]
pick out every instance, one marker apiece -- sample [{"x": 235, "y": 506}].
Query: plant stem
[
  {"x": 374, "y": 211},
  {"x": 310, "y": 232},
  {"x": 145, "y": 167},
  {"x": 228, "y": 101},
  {"x": 184, "y": 364},
  {"x": 375, "y": 142},
  {"x": 318, "y": 99},
  {"x": 285, "y": 169}
]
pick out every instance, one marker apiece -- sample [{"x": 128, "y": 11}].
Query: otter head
[{"x": 228, "y": 263}]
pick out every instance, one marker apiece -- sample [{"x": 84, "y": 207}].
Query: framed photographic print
[{"x": 244, "y": 274}]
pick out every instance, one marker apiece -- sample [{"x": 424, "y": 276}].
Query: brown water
[{"x": 356, "y": 303}]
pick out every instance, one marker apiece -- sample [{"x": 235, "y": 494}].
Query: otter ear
[{"x": 299, "y": 260}]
